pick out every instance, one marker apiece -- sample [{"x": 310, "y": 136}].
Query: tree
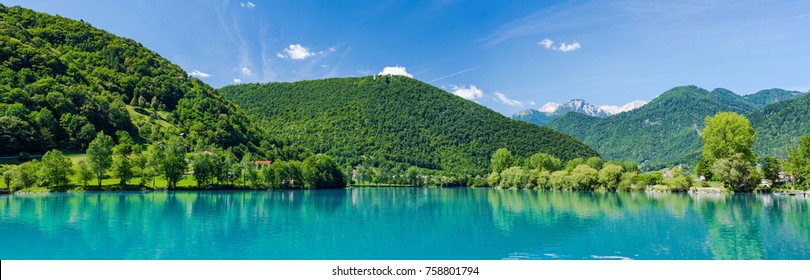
[
  {"x": 501, "y": 159},
  {"x": 173, "y": 163},
  {"x": 412, "y": 175},
  {"x": 734, "y": 172},
  {"x": 7, "y": 177},
  {"x": 726, "y": 135},
  {"x": 151, "y": 169},
  {"x": 571, "y": 164},
  {"x": 771, "y": 168},
  {"x": 250, "y": 176},
  {"x": 595, "y": 162},
  {"x": 203, "y": 165},
  {"x": 544, "y": 161},
  {"x": 122, "y": 168},
  {"x": 25, "y": 176},
  {"x": 610, "y": 175},
  {"x": 99, "y": 155},
  {"x": 799, "y": 160},
  {"x": 494, "y": 179},
  {"x": 321, "y": 171},
  {"x": 513, "y": 177},
  {"x": 56, "y": 168},
  {"x": 84, "y": 172},
  {"x": 584, "y": 176}
]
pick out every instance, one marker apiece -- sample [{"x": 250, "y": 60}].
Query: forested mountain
[
  {"x": 780, "y": 125},
  {"x": 62, "y": 81},
  {"x": 395, "y": 121},
  {"x": 666, "y": 131},
  {"x": 769, "y": 96}
]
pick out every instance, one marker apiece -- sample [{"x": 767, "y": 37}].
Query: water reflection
[{"x": 403, "y": 223}]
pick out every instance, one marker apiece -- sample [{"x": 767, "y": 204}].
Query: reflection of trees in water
[{"x": 746, "y": 226}]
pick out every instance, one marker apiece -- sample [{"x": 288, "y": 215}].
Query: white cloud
[
  {"x": 237, "y": 81},
  {"x": 563, "y": 47},
  {"x": 248, "y": 5},
  {"x": 396, "y": 70},
  {"x": 531, "y": 103},
  {"x": 569, "y": 47},
  {"x": 505, "y": 100},
  {"x": 246, "y": 72},
  {"x": 199, "y": 74},
  {"x": 547, "y": 43},
  {"x": 296, "y": 51},
  {"x": 470, "y": 93}
]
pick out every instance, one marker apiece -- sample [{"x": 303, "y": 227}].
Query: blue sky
[{"x": 506, "y": 55}]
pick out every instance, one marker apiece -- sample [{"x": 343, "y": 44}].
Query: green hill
[
  {"x": 765, "y": 97},
  {"x": 666, "y": 132},
  {"x": 62, "y": 81},
  {"x": 396, "y": 121},
  {"x": 780, "y": 125}
]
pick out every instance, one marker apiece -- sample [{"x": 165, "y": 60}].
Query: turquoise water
[{"x": 406, "y": 223}]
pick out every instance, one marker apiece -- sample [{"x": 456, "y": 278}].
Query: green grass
[{"x": 141, "y": 115}]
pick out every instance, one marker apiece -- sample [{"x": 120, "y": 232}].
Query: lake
[{"x": 403, "y": 223}]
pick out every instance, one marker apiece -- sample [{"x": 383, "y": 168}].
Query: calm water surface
[{"x": 407, "y": 223}]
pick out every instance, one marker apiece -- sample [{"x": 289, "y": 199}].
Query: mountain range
[
  {"x": 552, "y": 110},
  {"x": 666, "y": 131}
]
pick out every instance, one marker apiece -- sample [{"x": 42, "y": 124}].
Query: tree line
[{"x": 170, "y": 160}]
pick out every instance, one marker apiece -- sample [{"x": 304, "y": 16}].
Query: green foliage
[
  {"x": 62, "y": 81},
  {"x": 781, "y": 125},
  {"x": 544, "y": 161},
  {"x": 394, "y": 121},
  {"x": 84, "y": 172},
  {"x": 321, "y": 171},
  {"x": 584, "y": 177},
  {"x": 25, "y": 175},
  {"x": 771, "y": 168},
  {"x": 798, "y": 163},
  {"x": 734, "y": 171},
  {"x": 501, "y": 159},
  {"x": 610, "y": 176},
  {"x": 99, "y": 155},
  {"x": 172, "y": 161},
  {"x": 55, "y": 169},
  {"x": 727, "y": 134}
]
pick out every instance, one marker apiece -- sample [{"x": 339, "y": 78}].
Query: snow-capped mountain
[
  {"x": 551, "y": 110},
  {"x": 612, "y": 109},
  {"x": 575, "y": 105}
]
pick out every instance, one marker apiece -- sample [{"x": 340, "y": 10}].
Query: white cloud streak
[
  {"x": 237, "y": 81},
  {"x": 199, "y": 74},
  {"x": 396, "y": 70},
  {"x": 505, "y": 100},
  {"x": 470, "y": 93},
  {"x": 454, "y": 74},
  {"x": 563, "y": 47},
  {"x": 247, "y": 4}
]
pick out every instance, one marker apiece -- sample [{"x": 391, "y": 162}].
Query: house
[{"x": 262, "y": 163}]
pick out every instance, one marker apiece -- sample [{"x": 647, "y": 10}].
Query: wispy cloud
[
  {"x": 246, "y": 72},
  {"x": 454, "y": 74},
  {"x": 237, "y": 81},
  {"x": 470, "y": 93},
  {"x": 563, "y": 47},
  {"x": 296, "y": 51},
  {"x": 396, "y": 70},
  {"x": 199, "y": 74},
  {"x": 248, "y": 5},
  {"x": 500, "y": 97}
]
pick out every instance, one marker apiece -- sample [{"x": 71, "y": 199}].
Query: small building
[{"x": 262, "y": 163}]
